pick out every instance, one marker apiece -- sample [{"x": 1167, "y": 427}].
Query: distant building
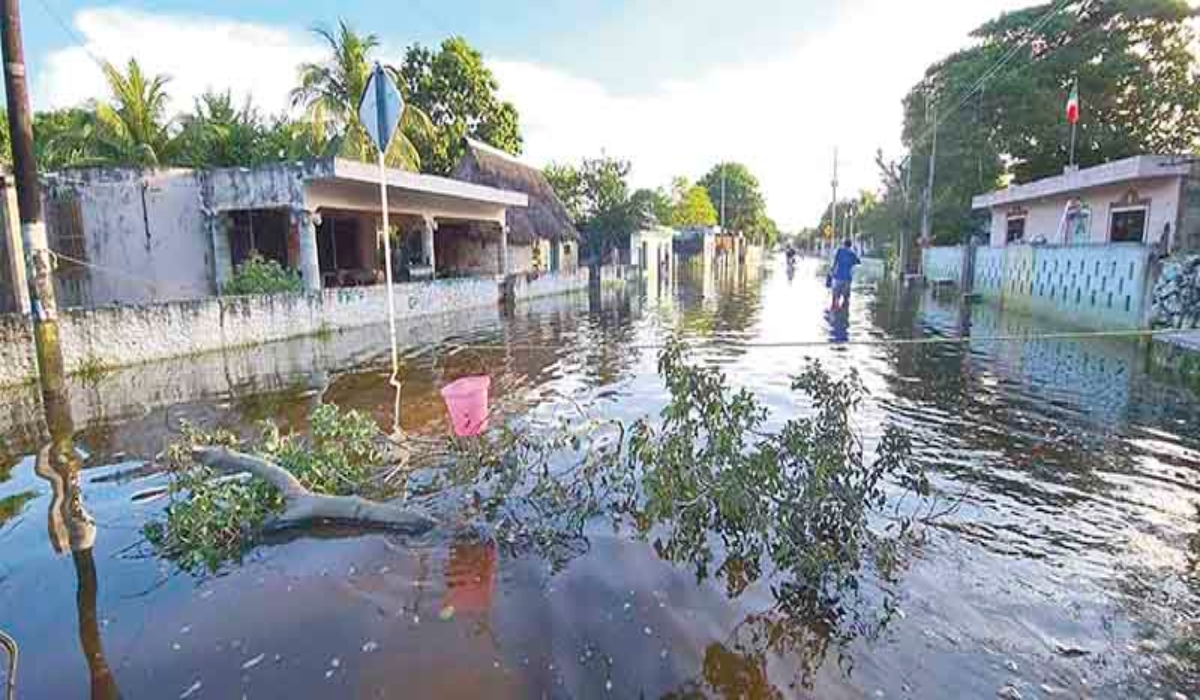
[
  {"x": 1147, "y": 200},
  {"x": 541, "y": 236}
]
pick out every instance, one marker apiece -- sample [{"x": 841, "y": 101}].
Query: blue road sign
[{"x": 380, "y": 108}]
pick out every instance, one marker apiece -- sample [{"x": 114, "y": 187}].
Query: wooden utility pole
[{"x": 38, "y": 261}]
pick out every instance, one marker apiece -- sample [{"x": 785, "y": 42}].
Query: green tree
[
  {"x": 218, "y": 133},
  {"x": 745, "y": 207},
  {"x": 330, "y": 92},
  {"x": 62, "y": 138},
  {"x": 656, "y": 205},
  {"x": 596, "y": 193},
  {"x": 458, "y": 92},
  {"x": 133, "y": 128},
  {"x": 567, "y": 183},
  {"x": 694, "y": 208},
  {"x": 1137, "y": 78}
]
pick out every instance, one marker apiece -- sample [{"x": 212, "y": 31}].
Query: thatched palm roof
[{"x": 546, "y": 217}]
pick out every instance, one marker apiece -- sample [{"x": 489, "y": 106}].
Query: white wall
[
  {"x": 1045, "y": 215},
  {"x": 145, "y": 234}
]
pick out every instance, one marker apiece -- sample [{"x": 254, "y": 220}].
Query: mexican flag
[{"x": 1073, "y": 105}]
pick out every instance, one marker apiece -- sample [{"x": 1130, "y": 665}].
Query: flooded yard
[{"x": 1069, "y": 565}]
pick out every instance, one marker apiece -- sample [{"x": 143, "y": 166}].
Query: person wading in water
[{"x": 841, "y": 274}]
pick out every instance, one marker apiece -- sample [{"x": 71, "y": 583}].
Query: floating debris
[
  {"x": 370, "y": 646},
  {"x": 251, "y": 663},
  {"x": 1071, "y": 652},
  {"x": 335, "y": 662},
  {"x": 192, "y": 689},
  {"x": 176, "y": 646},
  {"x": 649, "y": 632},
  {"x": 185, "y": 629},
  {"x": 608, "y": 685},
  {"x": 1011, "y": 665}
]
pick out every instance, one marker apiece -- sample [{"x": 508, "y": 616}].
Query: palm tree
[
  {"x": 133, "y": 129},
  {"x": 330, "y": 92},
  {"x": 220, "y": 134}
]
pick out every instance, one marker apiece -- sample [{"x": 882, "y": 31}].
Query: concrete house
[
  {"x": 1083, "y": 246},
  {"x": 541, "y": 237},
  {"x": 1145, "y": 200},
  {"x": 130, "y": 236}
]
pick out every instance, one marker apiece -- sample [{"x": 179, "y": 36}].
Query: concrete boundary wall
[
  {"x": 528, "y": 287},
  {"x": 1095, "y": 286},
  {"x": 119, "y": 336}
]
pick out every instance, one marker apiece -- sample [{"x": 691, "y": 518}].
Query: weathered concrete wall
[
  {"x": 1097, "y": 286},
  {"x": 1043, "y": 216},
  {"x": 117, "y": 336},
  {"x": 467, "y": 255},
  {"x": 18, "y": 363},
  {"x": 145, "y": 233},
  {"x": 550, "y": 284}
]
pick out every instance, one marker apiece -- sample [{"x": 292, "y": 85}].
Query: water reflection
[{"x": 1075, "y": 554}]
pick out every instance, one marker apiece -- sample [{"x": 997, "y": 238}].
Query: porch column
[
  {"x": 218, "y": 229},
  {"x": 310, "y": 265},
  {"x": 427, "y": 248},
  {"x": 504, "y": 248}
]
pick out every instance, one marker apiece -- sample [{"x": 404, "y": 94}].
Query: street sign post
[{"x": 379, "y": 113}]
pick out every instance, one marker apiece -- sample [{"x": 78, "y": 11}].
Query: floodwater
[{"x": 1070, "y": 569}]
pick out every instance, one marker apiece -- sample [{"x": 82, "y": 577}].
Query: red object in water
[{"x": 467, "y": 401}]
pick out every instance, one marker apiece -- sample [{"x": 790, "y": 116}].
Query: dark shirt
[{"x": 843, "y": 265}]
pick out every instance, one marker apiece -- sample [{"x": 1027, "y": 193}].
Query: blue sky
[{"x": 672, "y": 86}]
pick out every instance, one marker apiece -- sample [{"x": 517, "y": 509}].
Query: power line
[
  {"x": 998, "y": 66},
  {"x": 70, "y": 31},
  {"x": 887, "y": 342}
]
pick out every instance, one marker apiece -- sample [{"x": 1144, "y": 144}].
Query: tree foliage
[
  {"x": 596, "y": 194},
  {"x": 458, "y": 92},
  {"x": 694, "y": 208},
  {"x": 745, "y": 206},
  {"x": 1137, "y": 80},
  {"x": 133, "y": 128},
  {"x": 330, "y": 92}
]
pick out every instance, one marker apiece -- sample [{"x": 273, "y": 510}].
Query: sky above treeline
[{"x": 671, "y": 85}]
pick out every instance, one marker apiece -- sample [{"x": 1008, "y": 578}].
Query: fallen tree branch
[{"x": 304, "y": 507}]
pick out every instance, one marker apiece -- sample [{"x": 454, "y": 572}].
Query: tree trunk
[{"x": 304, "y": 507}]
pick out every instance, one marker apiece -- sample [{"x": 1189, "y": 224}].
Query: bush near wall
[
  {"x": 1177, "y": 293},
  {"x": 259, "y": 276}
]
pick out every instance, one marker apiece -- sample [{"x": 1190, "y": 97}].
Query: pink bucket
[{"x": 467, "y": 401}]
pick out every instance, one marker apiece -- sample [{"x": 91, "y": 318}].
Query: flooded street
[{"x": 1069, "y": 568}]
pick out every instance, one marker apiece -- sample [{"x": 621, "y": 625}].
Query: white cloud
[
  {"x": 781, "y": 117},
  {"x": 197, "y": 52}
]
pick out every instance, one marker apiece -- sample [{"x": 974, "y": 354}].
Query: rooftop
[{"x": 1116, "y": 172}]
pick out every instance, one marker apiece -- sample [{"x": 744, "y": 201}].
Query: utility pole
[
  {"x": 833, "y": 207},
  {"x": 38, "y": 260},
  {"x": 927, "y": 214}
]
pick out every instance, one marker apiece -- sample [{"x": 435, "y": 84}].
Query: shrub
[{"x": 260, "y": 276}]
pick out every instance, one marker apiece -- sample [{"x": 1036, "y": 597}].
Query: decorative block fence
[{"x": 1097, "y": 286}]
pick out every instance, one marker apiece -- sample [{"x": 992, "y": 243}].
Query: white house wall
[
  {"x": 145, "y": 237},
  {"x": 1044, "y": 216}
]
